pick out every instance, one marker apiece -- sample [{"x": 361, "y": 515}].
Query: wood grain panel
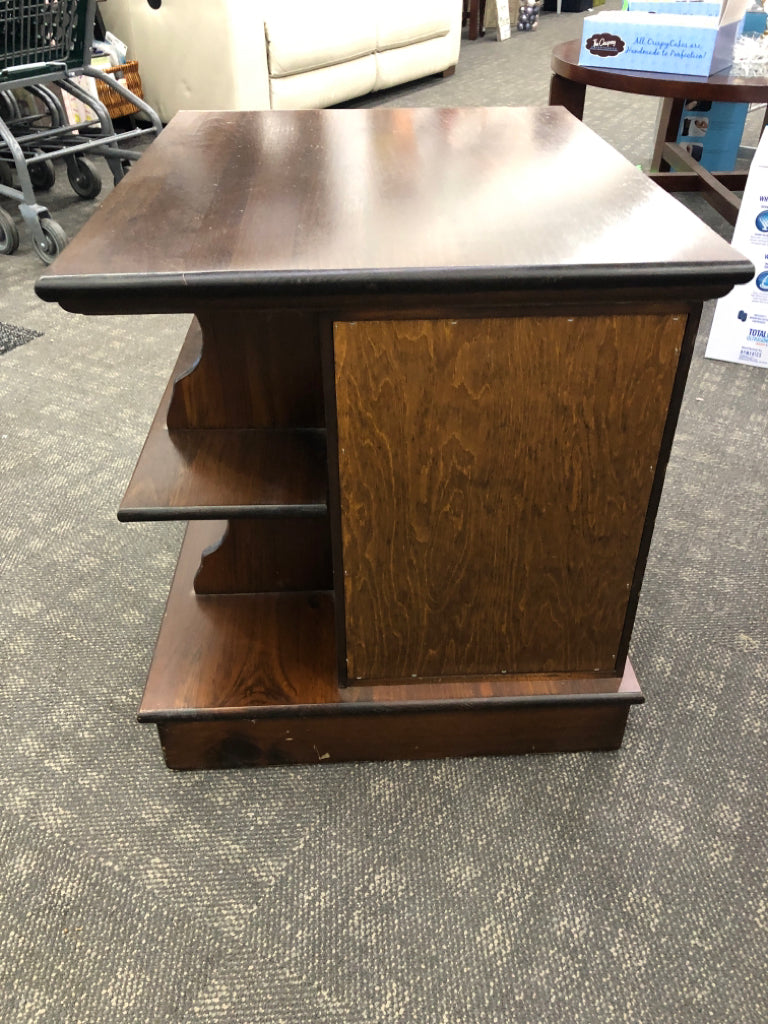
[
  {"x": 495, "y": 476},
  {"x": 254, "y": 370},
  {"x": 262, "y": 555}
]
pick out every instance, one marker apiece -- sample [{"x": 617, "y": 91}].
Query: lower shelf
[{"x": 250, "y": 679}]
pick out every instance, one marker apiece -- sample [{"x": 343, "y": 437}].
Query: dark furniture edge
[
  {"x": 155, "y": 292},
  {"x": 165, "y": 513},
  {"x": 355, "y": 708}
]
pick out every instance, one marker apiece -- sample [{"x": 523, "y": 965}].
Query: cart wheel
[
  {"x": 42, "y": 176},
  {"x": 9, "y": 234},
  {"x": 83, "y": 178},
  {"x": 6, "y": 107},
  {"x": 55, "y": 240}
]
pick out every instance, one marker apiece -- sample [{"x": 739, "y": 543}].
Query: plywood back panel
[{"x": 494, "y": 478}]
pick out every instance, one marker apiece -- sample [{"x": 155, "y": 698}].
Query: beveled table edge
[{"x": 134, "y": 293}]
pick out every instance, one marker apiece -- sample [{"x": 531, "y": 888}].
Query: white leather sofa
[{"x": 281, "y": 54}]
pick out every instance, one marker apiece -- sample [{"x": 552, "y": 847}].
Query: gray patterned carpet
[{"x": 587, "y": 889}]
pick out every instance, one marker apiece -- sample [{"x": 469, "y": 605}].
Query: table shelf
[
  {"x": 219, "y": 654},
  {"x": 220, "y": 473},
  {"x": 251, "y": 678}
]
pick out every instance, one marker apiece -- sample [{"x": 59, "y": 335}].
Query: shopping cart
[{"x": 45, "y": 48}]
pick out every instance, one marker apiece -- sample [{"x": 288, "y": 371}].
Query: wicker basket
[{"x": 127, "y": 75}]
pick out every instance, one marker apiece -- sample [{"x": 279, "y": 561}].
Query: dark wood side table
[
  {"x": 419, "y": 438},
  {"x": 568, "y": 87}
]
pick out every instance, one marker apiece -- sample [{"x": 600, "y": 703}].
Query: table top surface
[
  {"x": 289, "y": 204},
  {"x": 723, "y": 86}
]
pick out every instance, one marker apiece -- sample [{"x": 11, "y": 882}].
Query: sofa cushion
[
  {"x": 405, "y": 63},
  {"x": 402, "y": 22},
  {"x": 324, "y": 86},
  {"x": 305, "y": 36}
]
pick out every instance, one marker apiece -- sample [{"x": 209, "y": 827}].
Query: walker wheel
[
  {"x": 42, "y": 176},
  {"x": 83, "y": 178},
  {"x": 54, "y": 241},
  {"x": 9, "y": 233}
]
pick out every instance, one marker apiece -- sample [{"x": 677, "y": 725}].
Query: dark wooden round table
[
  {"x": 568, "y": 88},
  {"x": 570, "y": 81}
]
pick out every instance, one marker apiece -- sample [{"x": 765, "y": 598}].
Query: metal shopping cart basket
[{"x": 45, "y": 46}]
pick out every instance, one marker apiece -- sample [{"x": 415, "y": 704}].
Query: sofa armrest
[{"x": 215, "y": 60}]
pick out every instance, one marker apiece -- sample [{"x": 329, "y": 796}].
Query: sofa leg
[{"x": 449, "y": 71}]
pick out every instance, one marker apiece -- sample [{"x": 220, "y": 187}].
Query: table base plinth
[{"x": 378, "y": 734}]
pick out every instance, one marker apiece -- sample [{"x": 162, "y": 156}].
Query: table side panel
[
  {"x": 268, "y": 555},
  {"x": 254, "y": 369},
  {"x": 495, "y": 477}
]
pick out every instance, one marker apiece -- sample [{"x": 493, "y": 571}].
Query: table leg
[
  {"x": 718, "y": 190},
  {"x": 669, "y": 121},
  {"x": 563, "y": 93},
  {"x": 476, "y": 18}
]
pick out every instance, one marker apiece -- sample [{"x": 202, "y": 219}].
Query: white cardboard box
[
  {"x": 676, "y": 44},
  {"x": 708, "y": 8}
]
